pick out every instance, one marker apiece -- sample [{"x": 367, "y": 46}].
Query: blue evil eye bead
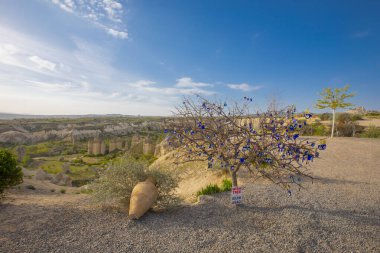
[
  {"x": 289, "y": 193},
  {"x": 242, "y": 160},
  {"x": 203, "y": 126},
  {"x": 268, "y": 160},
  {"x": 322, "y": 147},
  {"x": 295, "y": 136},
  {"x": 225, "y": 104},
  {"x": 291, "y": 128},
  {"x": 299, "y": 126},
  {"x": 232, "y": 167},
  {"x": 166, "y": 131},
  {"x": 192, "y": 132},
  {"x": 308, "y": 115},
  {"x": 310, "y": 157},
  {"x": 209, "y": 165},
  {"x": 250, "y": 99},
  {"x": 316, "y": 154},
  {"x": 312, "y": 144}
]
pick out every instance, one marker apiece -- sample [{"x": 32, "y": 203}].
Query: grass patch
[
  {"x": 214, "y": 188},
  {"x": 226, "y": 185},
  {"x": 371, "y": 132}
]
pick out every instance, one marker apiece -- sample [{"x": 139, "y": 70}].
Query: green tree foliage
[
  {"x": 334, "y": 99},
  {"x": 10, "y": 173}
]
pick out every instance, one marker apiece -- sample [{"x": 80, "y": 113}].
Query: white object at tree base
[
  {"x": 236, "y": 195},
  {"x": 143, "y": 197}
]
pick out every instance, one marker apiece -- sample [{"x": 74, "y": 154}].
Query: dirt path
[{"x": 338, "y": 213}]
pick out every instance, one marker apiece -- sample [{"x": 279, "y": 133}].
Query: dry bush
[{"x": 115, "y": 185}]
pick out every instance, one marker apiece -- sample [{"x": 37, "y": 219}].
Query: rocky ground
[{"x": 337, "y": 213}]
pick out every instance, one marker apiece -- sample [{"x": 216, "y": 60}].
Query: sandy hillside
[{"x": 337, "y": 213}]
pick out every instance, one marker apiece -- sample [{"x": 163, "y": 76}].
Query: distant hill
[{"x": 10, "y": 116}]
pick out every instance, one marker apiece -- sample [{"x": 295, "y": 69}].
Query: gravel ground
[{"x": 338, "y": 213}]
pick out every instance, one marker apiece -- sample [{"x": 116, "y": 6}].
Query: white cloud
[
  {"x": 66, "y": 5},
  {"x": 117, "y": 34},
  {"x": 83, "y": 81},
  {"x": 51, "y": 86},
  {"x": 142, "y": 84},
  {"x": 243, "y": 87},
  {"x": 188, "y": 82},
  {"x": 42, "y": 63},
  {"x": 8, "y": 49},
  {"x": 113, "y": 9},
  {"x": 105, "y": 14},
  {"x": 184, "y": 86}
]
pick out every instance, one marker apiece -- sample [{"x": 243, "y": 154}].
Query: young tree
[
  {"x": 10, "y": 173},
  {"x": 267, "y": 144},
  {"x": 334, "y": 99}
]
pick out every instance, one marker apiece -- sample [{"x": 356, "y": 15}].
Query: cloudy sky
[{"x": 142, "y": 57}]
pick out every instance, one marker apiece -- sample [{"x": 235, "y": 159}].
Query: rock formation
[
  {"x": 148, "y": 147},
  {"x": 161, "y": 149},
  {"x": 62, "y": 180},
  {"x": 42, "y": 175}
]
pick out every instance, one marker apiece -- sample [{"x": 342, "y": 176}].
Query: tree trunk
[
  {"x": 234, "y": 179},
  {"x": 333, "y": 124}
]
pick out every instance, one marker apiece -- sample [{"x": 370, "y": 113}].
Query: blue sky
[{"x": 142, "y": 57}]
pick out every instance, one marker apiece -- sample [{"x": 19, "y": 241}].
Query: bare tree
[{"x": 266, "y": 144}]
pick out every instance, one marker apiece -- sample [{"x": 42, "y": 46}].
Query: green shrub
[
  {"x": 77, "y": 160},
  {"x": 149, "y": 158},
  {"x": 356, "y": 117},
  {"x": 63, "y": 191},
  {"x": 10, "y": 173},
  {"x": 325, "y": 116},
  {"x": 214, "y": 188},
  {"x": 30, "y": 187},
  {"x": 26, "y": 160},
  {"x": 86, "y": 191},
  {"x": 346, "y": 125},
  {"x": 210, "y": 189},
  {"x": 114, "y": 186},
  {"x": 316, "y": 129},
  {"x": 371, "y": 132},
  {"x": 373, "y": 114},
  {"x": 52, "y": 190},
  {"x": 226, "y": 185}
]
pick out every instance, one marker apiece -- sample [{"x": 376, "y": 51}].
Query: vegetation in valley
[{"x": 10, "y": 172}]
